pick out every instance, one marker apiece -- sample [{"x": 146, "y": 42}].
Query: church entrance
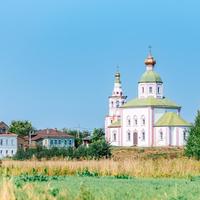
[{"x": 135, "y": 139}]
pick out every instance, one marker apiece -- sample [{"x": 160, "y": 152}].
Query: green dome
[{"x": 150, "y": 77}]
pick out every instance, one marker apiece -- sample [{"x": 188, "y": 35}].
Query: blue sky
[{"x": 57, "y": 58}]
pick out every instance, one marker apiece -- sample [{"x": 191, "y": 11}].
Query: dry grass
[
  {"x": 179, "y": 168},
  {"x": 156, "y": 162}
]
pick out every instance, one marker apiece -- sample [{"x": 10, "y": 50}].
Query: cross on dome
[{"x": 150, "y": 61}]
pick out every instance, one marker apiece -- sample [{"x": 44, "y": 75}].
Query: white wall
[
  {"x": 139, "y": 128},
  {"x": 146, "y": 92}
]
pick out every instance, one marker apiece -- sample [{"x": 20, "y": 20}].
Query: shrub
[{"x": 97, "y": 150}]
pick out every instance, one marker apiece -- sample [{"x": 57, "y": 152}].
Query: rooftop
[
  {"x": 171, "y": 119},
  {"x": 151, "y": 102},
  {"x": 50, "y": 133}
]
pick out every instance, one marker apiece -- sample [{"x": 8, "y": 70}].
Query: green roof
[
  {"x": 115, "y": 124},
  {"x": 150, "y": 77},
  {"x": 172, "y": 119},
  {"x": 151, "y": 102}
]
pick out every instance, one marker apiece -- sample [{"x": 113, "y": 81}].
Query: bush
[
  {"x": 193, "y": 143},
  {"x": 97, "y": 150}
]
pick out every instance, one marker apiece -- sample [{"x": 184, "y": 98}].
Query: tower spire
[{"x": 118, "y": 76}]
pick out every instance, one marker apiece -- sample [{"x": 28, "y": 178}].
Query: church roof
[
  {"x": 151, "y": 102},
  {"x": 172, "y": 119},
  {"x": 150, "y": 77},
  {"x": 115, "y": 124}
]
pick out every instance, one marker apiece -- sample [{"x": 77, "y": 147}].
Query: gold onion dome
[{"x": 150, "y": 60}]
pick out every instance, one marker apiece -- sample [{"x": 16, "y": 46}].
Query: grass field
[
  {"x": 85, "y": 188},
  {"x": 131, "y": 174}
]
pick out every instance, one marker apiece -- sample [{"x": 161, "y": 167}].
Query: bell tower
[{"x": 117, "y": 99}]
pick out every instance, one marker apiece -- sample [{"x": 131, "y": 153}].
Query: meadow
[
  {"x": 87, "y": 188},
  {"x": 131, "y": 173}
]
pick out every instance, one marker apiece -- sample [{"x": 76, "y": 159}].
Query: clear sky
[{"x": 58, "y": 57}]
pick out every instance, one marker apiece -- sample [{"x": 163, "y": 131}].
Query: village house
[{"x": 50, "y": 138}]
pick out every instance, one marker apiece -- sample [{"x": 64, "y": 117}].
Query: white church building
[{"x": 150, "y": 120}]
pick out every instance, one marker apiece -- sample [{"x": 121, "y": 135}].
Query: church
[{"x": 150, "y": 120}]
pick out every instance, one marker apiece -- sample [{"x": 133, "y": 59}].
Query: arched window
[
  {"x": 128, "y": 121},
  {"x": 161, "y": 135},
  {"x": 143, "y": 120},
  {"x": 185, "y": 135},
  {"x": 158, "y": 90},
  {"x": 114, "y": 137},
  {"x": 135, "y": 120},
  {"x": 143, "y": 135},
  {"x": 112, "y": 104},
  {"x": 143, "y": 90},
  {"x": 117, "y": 104},
  {"x": 128, "y": 136},
  {"x": 150, "y": 90}
]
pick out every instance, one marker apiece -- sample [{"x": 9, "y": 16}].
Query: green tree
[
  {"x": 98, "y": 134},
  {"x": 193, "y": 143},
  {"x": 21, "y": 128}
]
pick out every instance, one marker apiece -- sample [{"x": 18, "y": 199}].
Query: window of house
[
  {"x": 128, "y": 136},
  {"x": 70, "y": 143},
  {"x": 6, "y": 141},
  {"x": 65, "y": 142},
  {"x": 1, "y": 142},
  {"x": 6, "y": 152},
  {"x": 161, "y": 136},
  {"x": 51, "y": 142},
  {"x": 150, "y": 90},
  {"x": 12, "y": 142},
  {"x": 12, "y": 152},
  {"x": 55, "y": 142},
  {"x": 1, "y": 151},
  {"x": 114, "y": 137},
  {"x": 143, "y": 135},
  {"x": 59, "y": 142}
]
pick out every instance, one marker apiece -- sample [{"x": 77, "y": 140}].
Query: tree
[
  {"x": 193, "y": 143},
  {"x": 21, "y": 128},
  {"x": 98, "y": 134}
]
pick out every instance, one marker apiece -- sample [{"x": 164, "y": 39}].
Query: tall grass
[{"x": 166, "y": 168}]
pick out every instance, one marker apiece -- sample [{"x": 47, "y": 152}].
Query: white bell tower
[{"x": 117, "y": 99}]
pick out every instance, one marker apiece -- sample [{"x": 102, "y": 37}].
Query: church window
[
  {"x": 121, "y": 93},
  {"x": 143, "y": 90},
  {"x": 128, "y": 136},
  {"x": 143, "y": 135},
  {"x": 114, "y": 137},
  {"x": 128, "y": 121},
  {"x": 150, "y": 90},
  {"x": 161, "y": 136},
  {"x": 135, "y": 120},
  {"x": 158, "y": 90},
  {"x": 185, "y": 135},
  {"x": 117, "y": 104},
  {"x": 112, "y": 104},
  {"x": 143, "y": 120}
]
